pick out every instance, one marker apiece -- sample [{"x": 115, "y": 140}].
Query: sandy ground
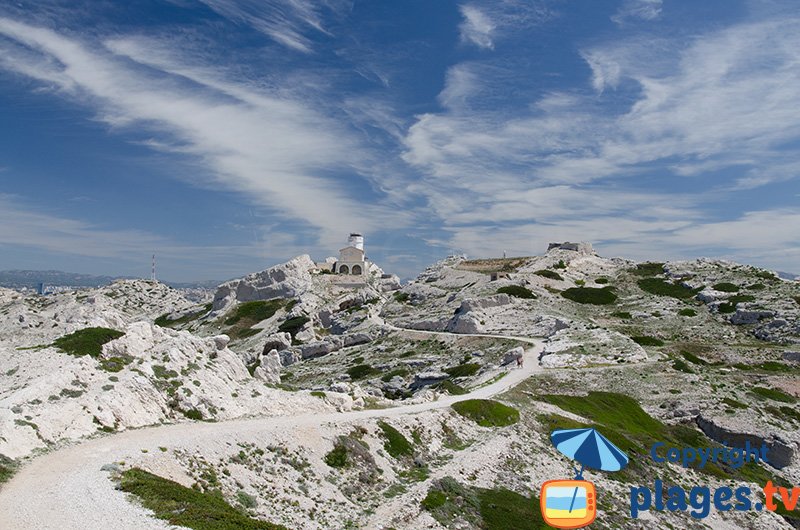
[{"x": 66, "y": 489}]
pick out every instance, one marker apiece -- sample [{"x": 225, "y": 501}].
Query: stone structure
[{"x": 352, "y": 260}]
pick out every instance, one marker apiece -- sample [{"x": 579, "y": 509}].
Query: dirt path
[{"x": 66, "y": 489}]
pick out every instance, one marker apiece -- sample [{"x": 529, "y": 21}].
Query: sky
[{"x": 229, "y": 135}]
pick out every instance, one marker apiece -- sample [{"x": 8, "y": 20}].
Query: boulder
[
  {"x": 423, "y": 379},
  {"x": 465, "y": 323},
  {"x": 793, "y": 356},
  {"x": 513, "y": 354},
  {"x": 477, "y": 304},
  {"x": 278, "y": 341},
  {"x": 269, "y": 368},
  {"x": 750, "y": 316},
  {"x": 780, "y": 452}
]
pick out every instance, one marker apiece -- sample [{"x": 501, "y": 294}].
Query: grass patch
[
  {"x": 732, "y": 403},
  {"x": 687, "y": 312},
  {"x": 396, "y": 444},
  {"x": 254, "y": 311},
  {"x": 360, "y": 371},
  {"x": 694, "y": 359},
  {"x": 739, "y": 298},
  {"x": 681, "y": 366},
  {"x": 401, "y": 297},
  {"x": 293, "y": 325},
  {"x": 516, "y": 291},
  {"x": 463, "y": 370},
  {"x": 182, "y": 506},
  {"x": 650, "y": 268},
  {"x": 774, "y": 394},
  {"x": 337, "y": 457},
  {"x": 625, "y": 315},
  {"x": 88, "y": 341},
  {"x": 590, "y": 295},
  {"x": 623, "y": 421},
  {"x": 659, "y": 287},
  {"x": 553, "y": 275},
  {"x": 487, "y": 413},
  {"x": 726, "y": 287},
  {"x": 318, "y": 393},
  {"x": 726, "y": 307},
  {"x": 645, "y": 340}
]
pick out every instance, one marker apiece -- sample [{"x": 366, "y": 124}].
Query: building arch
[
  {"x": 344, "y": 269},
  {"x": 356, "y": 270}
]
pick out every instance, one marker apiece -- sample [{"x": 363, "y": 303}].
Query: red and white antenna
[{"x": 153, "y": 273}]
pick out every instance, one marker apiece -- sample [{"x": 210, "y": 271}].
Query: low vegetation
[
  {"x": 773, "y": 394},
  {"x": 590, "y": 295},
  {"x": 293, "y": 325},
  {"x": 361, "y": 371},
  {"x": 487, "y": 413},
  {"x": 725, "y": 287},
  {"x": 88, "y": 341},
  {"x": 644, "y": 340},
  {"x": 165, "y": 322},
  {"x": 395, "y": 443},
  {"x": 463, "y": 370},
  {"x": 650, "y": 268},
  {"x": 687, "y": 312},
  {"x": 187, "y": 507},
  {"x": 448, "y": 501},
  {"x": 553, "y": 275},
  {"x": 517, "y": 291},
  {"x": 7, "y": 468},
  {"x": 659, "y": 287},
  {"x": 248, "y": 314}
]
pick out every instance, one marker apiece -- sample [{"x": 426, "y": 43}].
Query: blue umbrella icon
[{"x": 591, "y": 449}]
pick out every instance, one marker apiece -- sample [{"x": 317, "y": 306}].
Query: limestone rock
[{"x": 269, "y": 368}]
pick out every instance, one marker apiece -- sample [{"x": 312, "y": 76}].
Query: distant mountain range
[{"x": 17, "y": 279}]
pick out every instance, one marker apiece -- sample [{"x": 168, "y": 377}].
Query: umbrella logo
[{"x": 573, "y": 503}]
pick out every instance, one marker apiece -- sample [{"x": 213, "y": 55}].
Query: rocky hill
[{"x": 706, "y": 348}]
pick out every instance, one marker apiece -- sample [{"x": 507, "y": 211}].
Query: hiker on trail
[{"x": 519, "y": 361}]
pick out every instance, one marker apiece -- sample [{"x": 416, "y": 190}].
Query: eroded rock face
[
  {"x": 780, "y": 452},
  {"x": 281, "y": 281},
  {"x": 748, "y": 316},
  {"x": 269, "y": 368}
]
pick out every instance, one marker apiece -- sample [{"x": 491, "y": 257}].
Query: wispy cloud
[
  {"x": 277, "y": 150},
  {"x": 477, "y": 27},
  {"x": 638, "y": 9},
  {"x": 287, "y": 22}
]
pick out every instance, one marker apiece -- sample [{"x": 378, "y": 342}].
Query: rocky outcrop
[
  {"x": 750, "y": 316},
  {"x": 278, "y": 342},
  {"x": 581, "y": 248},
  {"x": 780, "y": 452},
  {"x": 269, "y": 368},
  {"x": 281, "y": 281}
]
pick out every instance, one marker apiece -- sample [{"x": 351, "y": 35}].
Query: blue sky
[{"x": 227, "y": 136}]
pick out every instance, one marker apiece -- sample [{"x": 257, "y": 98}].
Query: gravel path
[{"x": 66, "y": 489}]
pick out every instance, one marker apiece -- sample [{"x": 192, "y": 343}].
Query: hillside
[{"x": 702, "y": 351}]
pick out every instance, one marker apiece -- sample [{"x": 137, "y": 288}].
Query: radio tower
[{"x": 153, "y": 273}]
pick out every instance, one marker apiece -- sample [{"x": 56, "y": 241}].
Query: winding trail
[{"x": 66, "y": 489}]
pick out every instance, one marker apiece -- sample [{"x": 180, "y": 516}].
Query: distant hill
[{"x": 17, "y": 279}]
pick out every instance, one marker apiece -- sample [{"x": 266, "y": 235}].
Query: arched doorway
[
  {"x": 356, "y": 269},
  {"x": 344, "y": 269}
]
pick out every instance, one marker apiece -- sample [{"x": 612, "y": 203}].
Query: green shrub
[
  {"x": 360, "y": 371},
  {"x": 402, "y": 372},
  {"x": 765, "y": 275},
  {"x": 517, "y": 291},
  {"x": 757, "y": 287},
  {"x": 401, "y": 297},
  {"x": 601, "y": 281},
  {"x": 726, "y": 307},
  {"x": 255, "y": 311},
  {"x": 725, "y": 287},
  {"x": 452, "y": 388},
  {"x": 687, "y": 312},
  {"x": 165, "y": 322},
  {"x": 560, "y": 265},
  {"x": 88, "y": 341},
  {"x": 193, "y": 414},
  {"x": 186, "y": 507},
  {"x": 625, "y": 315},
  {"x": 739, "y": 298},
  {"x": 796, "y": 299},
  {"x": 553, "y": 275},
  {"x": 396, "y": 444},
  {"x": 773, "y": 394},
  {"x": 247, "y": 501},
  {"x": 694, "y": 359},
  {"x": 293, "y": 325},
  {"x": 463, "y": 370},
  {"x": 659, "y": 287},
  {"x": 503, "y": 509},
  {"x": 650, "y": 268},
  {"x": 318, "y": 393},
  {"x": 7, "y": 468},
  {"x": 337, "y": 457},
  {"x": 732, "y": 403},
  {"x": 434, "y": 499},
  {"x": 681, "y": 366},
  {"x": 590, "y": 295},
  {"x": 487, "y": 413},
  {"x": 644, "y": 340}
]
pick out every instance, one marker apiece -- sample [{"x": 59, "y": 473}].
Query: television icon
[{"x": 568, "y": 503}]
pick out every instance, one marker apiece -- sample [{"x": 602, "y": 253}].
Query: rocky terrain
[{"x": 702, "y": 350}]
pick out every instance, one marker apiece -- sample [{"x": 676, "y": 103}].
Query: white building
[{"x": 352, "y": 260}]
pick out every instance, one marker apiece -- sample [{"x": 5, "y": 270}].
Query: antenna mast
[{"x": 153, "y": 273}]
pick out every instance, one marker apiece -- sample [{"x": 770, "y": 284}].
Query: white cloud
[
  {"x": 638, "y": 9},
  {"x": 477, "y": 27},
  {"x": 274, "y": 149}
]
